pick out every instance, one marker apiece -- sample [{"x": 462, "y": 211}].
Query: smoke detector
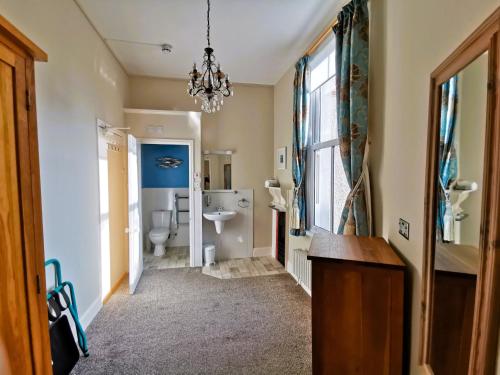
[{"x": 166, "y": 48}]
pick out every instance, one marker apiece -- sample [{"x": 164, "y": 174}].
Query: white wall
[{"x": 80, "y": 82}]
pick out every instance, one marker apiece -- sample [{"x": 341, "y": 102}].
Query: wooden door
[
  {"x": 24, "y": 339},
  {"x": 14, "y": 325}
]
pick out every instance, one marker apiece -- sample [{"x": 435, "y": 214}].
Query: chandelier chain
[{"x": 208, "y": 22}]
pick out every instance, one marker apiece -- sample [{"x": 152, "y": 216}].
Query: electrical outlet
[{"x": 404, "y": 228}]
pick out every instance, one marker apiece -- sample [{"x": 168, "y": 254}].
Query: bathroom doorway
[{"x": 166, "y": 170}]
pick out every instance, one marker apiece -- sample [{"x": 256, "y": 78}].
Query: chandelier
[{"x": 210, "y": 84}]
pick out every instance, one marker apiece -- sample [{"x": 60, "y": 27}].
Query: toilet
[{"x": 161, "y": 230}]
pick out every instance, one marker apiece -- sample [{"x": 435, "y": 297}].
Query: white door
[{"x": 134, "y": 217}]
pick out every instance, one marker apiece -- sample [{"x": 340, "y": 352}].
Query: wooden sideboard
[
  {"x": 455, "y": 277},
  {"x": 357, "y": 305}
]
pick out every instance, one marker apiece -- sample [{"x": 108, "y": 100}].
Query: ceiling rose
[{"x": 210, "y": 84}]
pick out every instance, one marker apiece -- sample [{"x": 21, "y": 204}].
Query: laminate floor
[
  {"x": 175, "y": 257},
  {"x": 244, "y": 267}
]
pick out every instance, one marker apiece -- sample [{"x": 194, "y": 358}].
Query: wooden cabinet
[
  {"x": 24, "y": 342},
  {"x": 357, "y": 306},
  {"x": 455, "y": 279}
]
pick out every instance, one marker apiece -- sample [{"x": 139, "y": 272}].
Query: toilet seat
[{"x": 159, "y": 232}]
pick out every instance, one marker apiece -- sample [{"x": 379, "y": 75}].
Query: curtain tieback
[
  {"x": 354, "y": 191},
  {"x": 350, "y": 225},
  {"x": 364, "y": 174}
]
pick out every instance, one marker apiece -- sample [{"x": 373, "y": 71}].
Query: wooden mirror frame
[{"x": 486, "y": 38}]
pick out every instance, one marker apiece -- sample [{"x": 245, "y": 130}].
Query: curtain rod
[
  {"x": 321, "y": 37},
  {"x": 324, "y": 34}
]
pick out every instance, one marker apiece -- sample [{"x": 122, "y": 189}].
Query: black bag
[{"x": 65, "y": 353}]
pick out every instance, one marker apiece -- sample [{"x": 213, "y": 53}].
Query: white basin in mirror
[{"x": 219, "y": 217}]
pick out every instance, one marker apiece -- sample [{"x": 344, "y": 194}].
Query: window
[{"x": 328, "y": 186}]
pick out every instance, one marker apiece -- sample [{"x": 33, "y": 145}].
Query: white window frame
[{"x": 314, "y": 145}]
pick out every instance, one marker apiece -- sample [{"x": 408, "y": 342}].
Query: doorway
[
  {"x": 116, "y": 148},
  {"x": 167, "y": 204}
]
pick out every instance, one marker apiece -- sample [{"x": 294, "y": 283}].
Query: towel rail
[{"x": 177, "y": 210}]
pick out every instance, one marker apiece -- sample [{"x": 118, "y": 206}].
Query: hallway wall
[
  {"x": 81, "y": 81},
  {"x": 409, "y": 39},
  {"x": 404, "y": 51}
]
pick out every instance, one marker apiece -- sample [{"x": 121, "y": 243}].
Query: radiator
[{"x": 302, "y": 269}]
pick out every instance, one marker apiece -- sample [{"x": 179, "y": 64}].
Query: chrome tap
[{"x": 220, "y": 209}]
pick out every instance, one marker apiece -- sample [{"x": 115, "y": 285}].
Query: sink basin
[{"x": 219, "y": 217}]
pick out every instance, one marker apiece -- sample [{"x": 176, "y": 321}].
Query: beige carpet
[{"x": 183, "y": 322}]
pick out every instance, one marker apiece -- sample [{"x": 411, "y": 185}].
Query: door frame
[
  {"x": 192, "y": 221},
  {"x": 103, "y": 226},
  {"x": 131, "y": 230}
]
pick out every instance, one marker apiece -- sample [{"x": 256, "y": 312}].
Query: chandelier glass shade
[{"x": 210, "y": 84}]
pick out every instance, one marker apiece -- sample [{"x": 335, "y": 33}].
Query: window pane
[
  {"x": 323, "y": 188},
  {"x": 340, "y": 188},
  {"x": 319, "y": 74},
  {"x": 315, "y": 102},
  {"x": 331, "y": 64},
  {"x": 328, "y": 126}
]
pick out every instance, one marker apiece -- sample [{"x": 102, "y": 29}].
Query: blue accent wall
[{"x": 156, "y": 177}]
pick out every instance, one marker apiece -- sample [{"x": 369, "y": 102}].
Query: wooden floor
[
  {"x": 244, "y": 267},
  {"x": 175, "y": 257}
]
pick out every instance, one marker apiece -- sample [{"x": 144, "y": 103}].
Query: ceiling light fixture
[
  {"x": 166, "y": 48},
  {"x": 211, "y": 85}
]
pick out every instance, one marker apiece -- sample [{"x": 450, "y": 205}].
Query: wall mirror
[
  {"x": 217, "y": 170},
  {"x": 460, "y": 293}
]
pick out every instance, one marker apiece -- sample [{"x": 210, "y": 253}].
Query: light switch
[{"x": 404, "y": 228}]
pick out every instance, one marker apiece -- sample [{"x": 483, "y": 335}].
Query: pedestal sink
[{"x": 219, "y": 217}]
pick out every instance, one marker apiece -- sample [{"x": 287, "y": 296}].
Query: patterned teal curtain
[
  {"x": 447, "y": 154},
  {"x": 301, "y": 93},
  {"x": 351, "y": 62}
]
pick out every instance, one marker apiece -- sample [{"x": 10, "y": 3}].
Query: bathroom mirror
[
  {"x": 461, "y": 211},
  {"x": 217, "y": 170}
]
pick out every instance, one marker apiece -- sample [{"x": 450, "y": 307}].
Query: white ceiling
[{"x": 256, "y": 41}]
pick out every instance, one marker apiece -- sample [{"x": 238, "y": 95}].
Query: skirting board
[
  {"x": 262, "y": 251},
  {"x": 306, "y": 289},
  {"x": 114, "y": 287},
  {"x": 89, "y": 315}
]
